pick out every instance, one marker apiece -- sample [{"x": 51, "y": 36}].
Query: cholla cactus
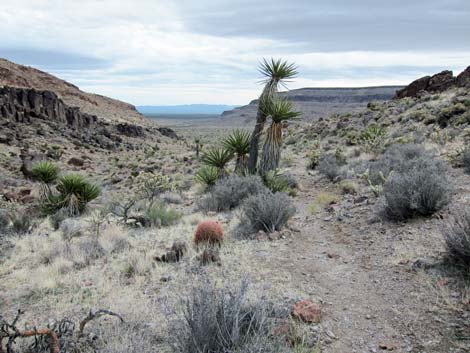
[
  {"x": 152, "y": 185},
  {"x": 208, "y": 232}
]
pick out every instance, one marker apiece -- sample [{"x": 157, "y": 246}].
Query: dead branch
[{"x": 95, "y": 315}]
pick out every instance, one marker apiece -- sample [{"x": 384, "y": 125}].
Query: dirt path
[{"x": 371, "y": 304}]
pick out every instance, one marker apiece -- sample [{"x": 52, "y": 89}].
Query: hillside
[
  {"x": 318, "y": 102},
  {"x": 112, "y": 110}
]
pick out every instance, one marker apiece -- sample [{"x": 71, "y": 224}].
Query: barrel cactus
[{"x": 208, "y": 232}]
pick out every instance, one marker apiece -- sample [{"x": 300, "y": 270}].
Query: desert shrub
[
  {"x": 207, "y": 176},
  {"x": 457, "y": 237},
  {"x": 161, "y": 216},
  {"x": 348, "y": 187},
  {"x": 330, "y": 167},
  {"x": 74, "y": 193},
  {"x": 212, "y": 319},
  {"x": 395, "y": 158},
  {"x": 267, "y": 211},
  {"x": 466, "y": 160},
  {"x": 20, "y": 222},
  {"x": 5, "y": 219},
  {"x": 56, "y": 219},
  {"x": 45, "y": 172},
  {"x": 421, "y": 187},
  {"x": 313, "y": 158},
  {"x": 71, "y": 228},
  {"x": 208, "y": 232},
  {"x": 448, "y": 112},
  {"x": 230, "y": 192}
]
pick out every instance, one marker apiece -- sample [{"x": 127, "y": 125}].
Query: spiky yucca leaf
[
  {"x": 276, "y": 181},
  {"x": 207, "y": 176},
  {"x": 281, "y": 110},
  {"x": 45, "y": 172},
  {"x": 277, "y": 70},
  {"x": 75, "y": 192},
  {"x": 239, "y": 143},
  {"x": 217, "y": 157}
]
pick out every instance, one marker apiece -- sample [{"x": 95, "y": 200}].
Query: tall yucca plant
[
  {"x": 239, "y": 143},
  {"x": 280, "y": 111},
  {"x": 217, "y": 157},
  {"x": 275, "y": 72}
]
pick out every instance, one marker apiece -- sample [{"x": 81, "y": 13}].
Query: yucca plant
[
  {"x": 207, "y": 176},
  {"x": 75, "y": 192},
  {"x": 280, "y": 111},
  {"x": 239, "y": 143},
  {"x": 275, "y": 72},
  {"x": 217, "y": 157},
  {"x": 45, "y": 172},
  {"x": 275, "y": 181}
]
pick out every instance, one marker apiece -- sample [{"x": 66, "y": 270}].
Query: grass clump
[
  {"x": 457, "y": 238},
  {"x": 212, "y": 319},
  {"x": 267, "y": 211},
  {"x": 322, "y": 200},
  {"x": 230, "y": 192},
  {"x": 466, "y": 160},
  {"x": 420, "y": 188}
]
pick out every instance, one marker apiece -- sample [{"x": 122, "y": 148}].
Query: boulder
[
  {"x": 441, "y": 81},
  {"x": 77, "y": 162},
  {"x": 413, "y": 88}
]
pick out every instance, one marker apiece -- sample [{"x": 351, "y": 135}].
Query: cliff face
[
  {"x": 22, "y": 105},
  {"x": 109, "y": 109}
]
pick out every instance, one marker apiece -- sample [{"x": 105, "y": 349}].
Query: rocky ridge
[
  {"x": 435, "y": 83},
  {"x": 112, "y": 110}
]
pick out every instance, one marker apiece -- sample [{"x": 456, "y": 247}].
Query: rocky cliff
[
  {"x": 22, "y": 105},
  {"x": 435, "y": 84},
  {"x": 112, "y": 110}
]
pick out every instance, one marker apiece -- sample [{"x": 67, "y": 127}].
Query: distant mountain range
[
  {"x": 321, "y": 102},
  {"x": 185, "y": 109}
]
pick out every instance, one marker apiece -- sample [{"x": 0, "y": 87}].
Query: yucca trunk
[
  {"x": 271, "y": 148},
  {"x": 241, "y": 164},
  {"x": 269, "y": 90}
]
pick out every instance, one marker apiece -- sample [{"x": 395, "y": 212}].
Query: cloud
[{"x": 182, "y": 51}]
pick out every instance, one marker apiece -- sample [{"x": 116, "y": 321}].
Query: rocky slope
[
  {"x": 318, "y": 102},
  {"x": 16, "y": 75}
]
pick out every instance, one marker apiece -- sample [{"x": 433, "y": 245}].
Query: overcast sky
[{"x": 206, "y": 51}]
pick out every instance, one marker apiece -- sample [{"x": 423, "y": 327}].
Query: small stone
[{"x": 307, "y": 311}]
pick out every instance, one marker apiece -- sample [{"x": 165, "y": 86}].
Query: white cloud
[{"x": 155, "y": 54}]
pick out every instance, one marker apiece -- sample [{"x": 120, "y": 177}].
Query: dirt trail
[{"x": 371, "y": 304}]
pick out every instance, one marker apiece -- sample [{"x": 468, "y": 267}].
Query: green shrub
[
  {"x": 21, "y": 223},
  {"x": 45, "y": 172},
  {"x": 275, "y": 181},
  {"x": 161, "y": 216},
  {"x": 267, "y": 211},
  {"x": 449, "y": 112}
]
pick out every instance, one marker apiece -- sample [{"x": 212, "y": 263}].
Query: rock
[
  {"x": 75, "y": 161},
  {"x": 175, "y": 254},
  {"x": 28, "y": 160},
  {"x": 130, "y": 130},
  {"x": 463, "y": 80},
  {"x": 22, "y": 105},
  {"x": 165, "y": 131},
  {"x": 435, "y": 84},
  {"x": 307, "y": 311},
  {"x": 413, "y": 88}
]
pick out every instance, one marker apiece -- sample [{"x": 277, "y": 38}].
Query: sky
[{"x": 159, "y": 52}]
